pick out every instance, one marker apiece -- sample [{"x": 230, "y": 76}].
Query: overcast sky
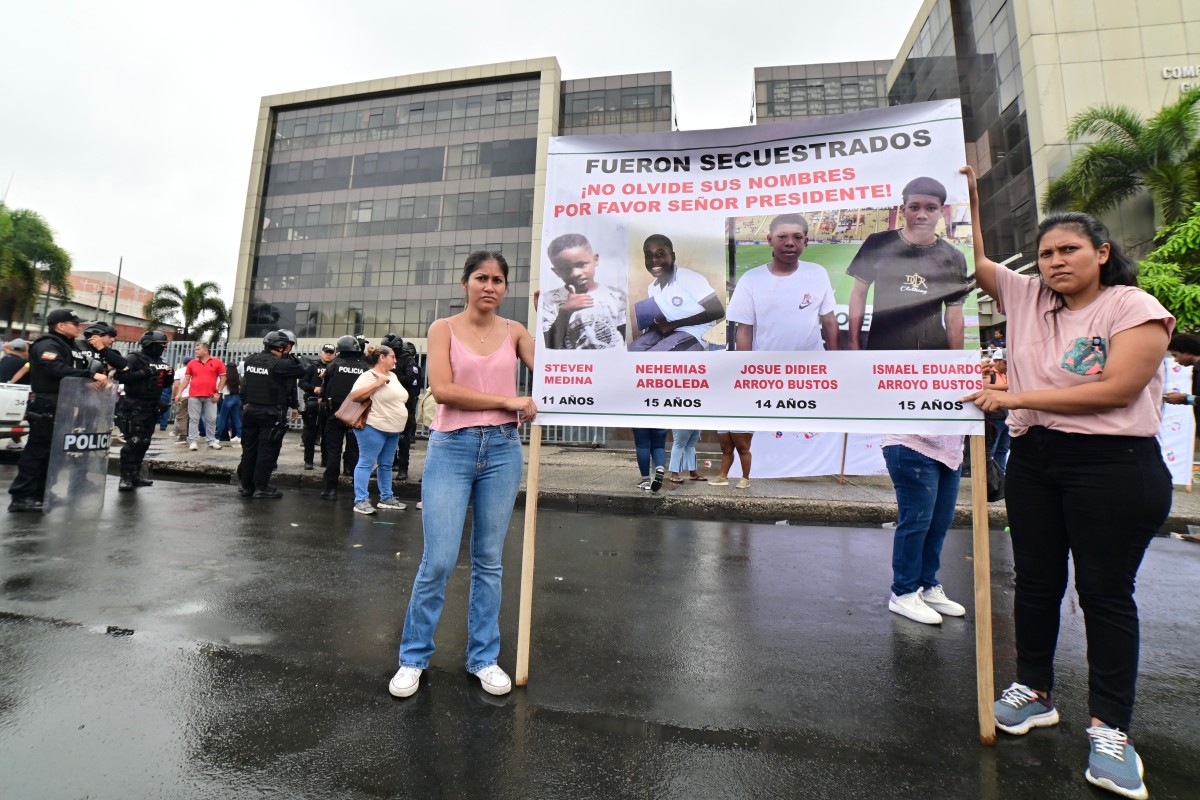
[{"x": 129, "y": 125}]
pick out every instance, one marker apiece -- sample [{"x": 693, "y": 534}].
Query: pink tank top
[{"x": 493, "y": 374}]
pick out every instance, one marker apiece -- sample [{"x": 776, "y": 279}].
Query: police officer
[
  {"x": 52, "y": 357},
  {"x": 146, "y": 377},
  {"x": 313, "y": 413},
  {"x": 408, "y": 372},
  {"x": 97, "y": 341},
  {"x": 340, "y": 376},
  {"x": 268, "y": 390}
]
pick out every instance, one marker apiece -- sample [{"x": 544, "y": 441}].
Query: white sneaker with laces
[
  {"x": 192, "y": 446},
  {"x": 935, "y": 598},
  {"x": 215, "y": 445},
  {"x": 912, "y": 606},
  {"x": 405, "y": 682},
  {"x": 16, "y": 446},
  {"x": 494, "y": 680},
  {"x": 236, "y": 440}
]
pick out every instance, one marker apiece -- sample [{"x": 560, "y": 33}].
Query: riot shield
[{"x": 78, "y": 467}]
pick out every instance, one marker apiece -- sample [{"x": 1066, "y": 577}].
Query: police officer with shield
[
  {"x": 340, "y": 376},
  {"x": 268, "y": 390},
  {"x": 52, "y": 357},
  {"x": 313, "y": 413},
  {"x": 146, "y": 377}
]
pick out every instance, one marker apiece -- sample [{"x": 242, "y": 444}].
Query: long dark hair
[
  {"x": 1119, "y": 270},
  {"x": 478, "y": 258}
]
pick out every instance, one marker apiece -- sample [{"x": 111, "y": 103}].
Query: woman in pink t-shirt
[
  {"x": 1085, "y": 475},
  {"x": 474, "y": 452}
]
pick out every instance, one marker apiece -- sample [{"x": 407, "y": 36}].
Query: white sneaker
[
  {"x": 494, "y": 680},
  {"x": 419, "y": 506},
  {"x": 215, "y": 445},
  {"x": 15, "y": 446},
  {"x": 192, "y": 446},
  {"x": 936, "y": 599},
  {"x": 912, "y": 606},
  {"x": 236, "y": 440},
  {"x": 405, "y": 682},
  {"x": 644, "y": 485}
]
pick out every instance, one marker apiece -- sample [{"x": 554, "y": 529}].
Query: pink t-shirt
[
  {"x": 493, "y": 374},
  {"x": 1069, "y": 348},
  {"x": 945, "y": 449}
]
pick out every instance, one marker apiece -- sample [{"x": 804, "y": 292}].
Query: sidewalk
[{"x": 584, "y": 479}]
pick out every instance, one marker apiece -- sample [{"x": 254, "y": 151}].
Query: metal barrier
[{"x": 233, "y": 352}]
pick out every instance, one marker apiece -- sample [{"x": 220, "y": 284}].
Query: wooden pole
[
  {"x": 845, "y": 444},
  {"x": 525, "y": 616},
  {"x": 982, "y": 559}
]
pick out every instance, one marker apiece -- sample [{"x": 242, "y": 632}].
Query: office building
[{"x": 365, "y": 199}]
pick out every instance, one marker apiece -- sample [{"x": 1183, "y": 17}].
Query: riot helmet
[
  {"x": 99, "y": 328},
  {"x": 153, "y": 343},
  {"x": 347, "y": 344},
  {"x": 410, "y": 348},
  {"x": 362, "y": 342},
  {"x": 393, "y": 341},
  {"x": 278, "y": 340}
]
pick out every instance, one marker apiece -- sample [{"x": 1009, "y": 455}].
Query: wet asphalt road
[{"x": 671, "y": 659}]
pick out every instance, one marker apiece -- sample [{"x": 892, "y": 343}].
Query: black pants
[
  {"x": 1101, "y": 499},
  {"x": 136, "y": 419},
  {"x": 338, "y": 433},
  {"x": 262, "y": 437},
  {"x": 406, "y": 441},
  {"x": 30, "y": 482},
  {"x": 314, "y": 428}
]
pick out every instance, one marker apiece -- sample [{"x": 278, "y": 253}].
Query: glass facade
[
  {"x": 816, "y": 90},
  {"x": 370, "y": 206},
  {"x": 968, "y": 49},
  {"x": 639, "y": 103}
]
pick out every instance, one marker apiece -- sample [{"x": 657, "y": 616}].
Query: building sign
[{"x": 654, "y": 243}]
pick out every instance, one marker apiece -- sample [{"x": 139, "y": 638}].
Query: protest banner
[
  {"x": 1177, "y": 439},
  {"x": 623, "y": 341},
  {"x": 810, "y": 276}
]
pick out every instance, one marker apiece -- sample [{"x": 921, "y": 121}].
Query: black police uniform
[
  {"x": 146, "y": 376},
  {"x": 109, "y": 356},
  {"x": 268, "y": 383},
  {"x": 408, "y": 372},
  {"x": 340, "y": 376},
  {"x": 312, "y": 412},
  {"x": 52, "y": 357}
]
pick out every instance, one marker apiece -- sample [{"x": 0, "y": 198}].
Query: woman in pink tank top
[
  {"x": 474, "y": 457},
  {"x": 1085, "y": 473}
]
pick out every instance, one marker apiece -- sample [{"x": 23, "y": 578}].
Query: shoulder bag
[{"x": 353, "y": 412}]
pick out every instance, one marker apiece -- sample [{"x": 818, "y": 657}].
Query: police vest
[
  {"x": 158, "y": 376},
  {"x": 344, "y": 373},
  {"x": 259, "y": 386}
]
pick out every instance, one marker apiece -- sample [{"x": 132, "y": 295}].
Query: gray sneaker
[
  {"x": 364, "y": 507},
  {"x": 390, "y": 502},
  {"x": 1020, "y": 709},
  {"x": 1113, "y": 763}
]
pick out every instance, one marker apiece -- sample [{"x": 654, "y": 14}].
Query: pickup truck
[{"x": 14, "y": 397}]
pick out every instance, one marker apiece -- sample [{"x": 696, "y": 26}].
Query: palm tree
[
  {"x": 187, "y": 304},
  {"x": 1130, "y": 155},
  {"x": 29, "y": 257},
  {"x": 216, "y": 325}
]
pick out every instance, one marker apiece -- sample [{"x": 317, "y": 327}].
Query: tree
[
  {"x": 29, "y": 257},
  {"x": 1130, "y": 155},
  {"x": 187, "y": 304},
  {"x": 1172, "y": 271},
  {"x": 216, "y": 325}
]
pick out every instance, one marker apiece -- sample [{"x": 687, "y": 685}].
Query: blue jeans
[
  {"x": 376, "y": 449},
  {"x": 230, "y": 416},
  {"x": 926, "y": 491},
  {"x": 650, "y": 443},
  {"x": 683, "y": 450},
  {"x": 484, "y": 462}
]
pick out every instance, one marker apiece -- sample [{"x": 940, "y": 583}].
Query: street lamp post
[{"x": 45, "y": 270}]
